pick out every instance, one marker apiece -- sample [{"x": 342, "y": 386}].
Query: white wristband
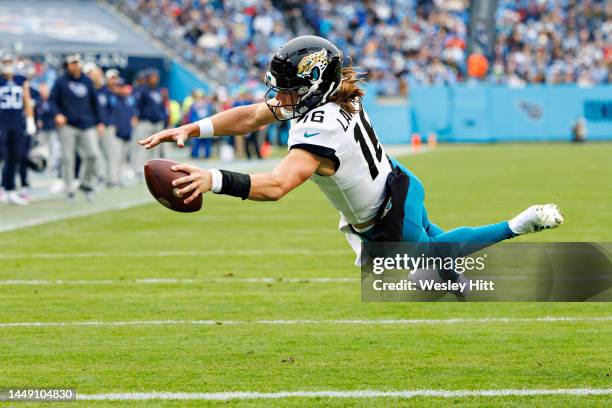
[
  {"x": 217, "y": 181},
  {"x": 206, "y": 128},
  {"x": 30, "y": 126}
]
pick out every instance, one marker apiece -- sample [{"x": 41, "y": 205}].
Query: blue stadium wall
[
  {"x": 180, "y": 82},
  {"x": 498, "y": 114}
]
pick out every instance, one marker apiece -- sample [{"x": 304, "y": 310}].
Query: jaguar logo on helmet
[{"x": 313, "y": 65}]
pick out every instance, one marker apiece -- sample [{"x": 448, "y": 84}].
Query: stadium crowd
[
  {"x": 231, "y": 41},
  {"x": 553, "y": 42},
  {"x": 80, "y": 125},
  {"x": 537, "y": 41},
  {"x": 398, "y": 42}
]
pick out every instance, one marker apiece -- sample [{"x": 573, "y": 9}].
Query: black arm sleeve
[{"x": 236, "y": 184}]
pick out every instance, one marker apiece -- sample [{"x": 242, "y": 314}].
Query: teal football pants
[{"x": 418, "y": 228}]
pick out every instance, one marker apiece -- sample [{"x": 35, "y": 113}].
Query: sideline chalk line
[
  {"x": 241, "y": 395},
  {"x": 545, "y": 319}
]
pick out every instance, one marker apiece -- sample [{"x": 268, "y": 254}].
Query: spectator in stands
[
  {"x": 230, "y": 41},
  {"x": 77, "y": 116},
  {"x": 398, "y": 42},
  {"x": 151, "y": 117},
  {"x": 124, "y": 118},
  {"x": 552, "y": 41}
]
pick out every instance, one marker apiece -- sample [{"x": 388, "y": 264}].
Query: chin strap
[{"x": 286, "y": 114}]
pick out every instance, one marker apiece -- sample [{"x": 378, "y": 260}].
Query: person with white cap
[{"x": 76, "y": 104}]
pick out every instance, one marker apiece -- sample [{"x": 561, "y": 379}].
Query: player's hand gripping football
[
  {"x": 198, "y": 181},
  {"x": 178, "y": 135}
]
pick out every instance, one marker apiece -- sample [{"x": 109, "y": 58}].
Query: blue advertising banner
[{"x": 490, "y": 113}]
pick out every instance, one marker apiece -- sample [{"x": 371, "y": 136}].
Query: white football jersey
[{"x": 357, "y": 188}]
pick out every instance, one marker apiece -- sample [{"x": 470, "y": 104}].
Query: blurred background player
[
  {"x": 200, "y": 108},
  {"x": 238, "y": 142},
  {"x": 124, "y": 118},
  {"x": 251, "y": 145},
  {"x": 16, "y": 122},
  {"x": 151, "y": 117},
  {"x": 76, "y": 104},
  {"x": 108, "y": 104},
  {"x": 27, "y": 69},
  {"x": 47, "y": 135},
  {"x": 105, "y": 101}
]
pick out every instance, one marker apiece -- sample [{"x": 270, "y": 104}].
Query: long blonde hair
[{"x": 349, "y": 91}]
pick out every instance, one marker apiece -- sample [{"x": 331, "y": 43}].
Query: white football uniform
[{"x": 357, "y": 189}]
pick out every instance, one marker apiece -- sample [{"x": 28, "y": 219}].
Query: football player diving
[{"x": 333, "y": 143}]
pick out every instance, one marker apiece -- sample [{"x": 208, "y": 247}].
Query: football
[{"x": 159, "y": 176}]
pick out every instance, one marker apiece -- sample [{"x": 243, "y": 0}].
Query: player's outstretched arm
[
  {"x": 236, "y": 121},
  {"x": 293, "y": 170}
]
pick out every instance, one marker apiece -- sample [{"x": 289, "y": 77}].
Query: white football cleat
[
  {"x": 15, "y": 199},
  {"x": 57, "y": 187},
  {"x": 25, "y": 194},
  {"x": 536, "y": 218}
]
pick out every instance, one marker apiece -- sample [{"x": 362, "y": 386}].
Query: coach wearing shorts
[{"x": 76, "y": 104}]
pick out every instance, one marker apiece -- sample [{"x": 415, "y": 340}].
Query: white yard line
[
  {"x": 179, "y": 281},
  {"x": 546, "y": 319},
  {"x": 45, "y": 218},
  {"x": 55, "y": 208},
  {"x": 185, "y": 281},
  {"x": 152, "y": 254},
  {"x": 243, "y": 395}
]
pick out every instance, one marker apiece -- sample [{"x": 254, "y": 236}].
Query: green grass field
[{"x": 230, "y": 240}]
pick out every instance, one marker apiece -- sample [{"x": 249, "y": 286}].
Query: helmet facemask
[{"x": 285, "y": 111}]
